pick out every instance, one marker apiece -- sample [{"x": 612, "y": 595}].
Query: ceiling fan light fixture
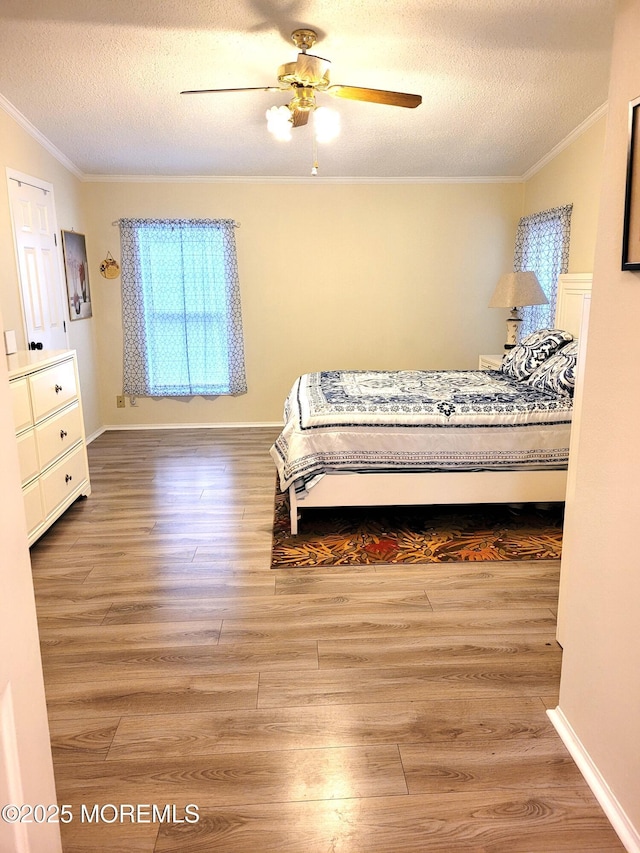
[
  {"x": 280, "y": 122},
  {"x": 304, "y": 78},
  {"x": 326, "y": 124},
  {"x": 304, "y": 98}
]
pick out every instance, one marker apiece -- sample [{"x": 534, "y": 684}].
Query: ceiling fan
[{"x": 310, "y": 74}]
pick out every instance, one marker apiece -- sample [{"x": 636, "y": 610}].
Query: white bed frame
[{"x": 460, "y": 487}]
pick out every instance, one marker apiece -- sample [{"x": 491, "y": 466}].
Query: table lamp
[{"x": 515, "y": 289}]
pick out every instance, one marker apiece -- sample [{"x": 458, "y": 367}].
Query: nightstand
[{"x": 490, "y": 362}]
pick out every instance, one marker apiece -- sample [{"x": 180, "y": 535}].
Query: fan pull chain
[{"x": 314, "y": 155}]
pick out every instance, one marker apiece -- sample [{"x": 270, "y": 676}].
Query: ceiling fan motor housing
[
  {"x": 310, "y": 74},
  {"x": 307, "y": 70}
]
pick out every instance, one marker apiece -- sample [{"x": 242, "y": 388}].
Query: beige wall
[
  {"x": 20, "y": 151},
  {"x": 331, "y": 276},
  {"x": 600, "y": 686},
  {"x": 573, "y": 176}
]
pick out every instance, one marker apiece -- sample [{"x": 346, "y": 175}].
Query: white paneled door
[{"x": 38, "y": 256}]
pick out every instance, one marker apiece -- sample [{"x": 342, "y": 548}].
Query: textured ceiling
[{"x": 503, "y": 82}]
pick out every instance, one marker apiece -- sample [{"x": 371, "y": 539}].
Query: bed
[{"x": 378, "y": 438}]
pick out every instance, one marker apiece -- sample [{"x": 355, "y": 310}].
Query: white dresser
[{"x": 47, "y": 411}]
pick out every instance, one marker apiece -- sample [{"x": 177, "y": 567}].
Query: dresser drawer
[
  {"x": 28, "y": 456},
  {"x": 47, "y": 415},
  {"x": 65, "y": 478},
  {"x": 52, "y": 388},
  {"x": 33, "y": 506},
  {"x": 21, "y": 404},
  {"x": 58, "y": 434}
]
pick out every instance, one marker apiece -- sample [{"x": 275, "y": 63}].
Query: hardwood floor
[{"x": 361, "y": 710}]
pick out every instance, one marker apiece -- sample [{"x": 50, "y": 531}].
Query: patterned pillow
[
  {"x": 531, "y": 352},
  {"x": 557, "y": 375}
]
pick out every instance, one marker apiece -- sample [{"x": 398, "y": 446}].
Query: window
[
  {"x": 542, "y": 245},
  {"x": 181, "y": 308}
]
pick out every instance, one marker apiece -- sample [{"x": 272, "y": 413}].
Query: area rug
[{"x": 355, "y": 536}]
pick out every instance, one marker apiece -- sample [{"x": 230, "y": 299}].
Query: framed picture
[
  {"x": 631, "y": 235},
  {"x": 76, "y": 270}
]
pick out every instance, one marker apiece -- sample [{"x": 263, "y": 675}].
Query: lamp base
[{"x": 513, "y": 329}]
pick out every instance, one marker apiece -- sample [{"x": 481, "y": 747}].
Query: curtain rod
[{"x": 118, "y": 221}]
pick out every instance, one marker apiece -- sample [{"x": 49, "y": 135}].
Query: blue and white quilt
[{"x": 416, "y": 420}]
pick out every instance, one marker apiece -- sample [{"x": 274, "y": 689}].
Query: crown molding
[
  {"x": 578, "y": 131},
  {"x": 33, "y": 131},
  {"x": 298, "y": 179}
]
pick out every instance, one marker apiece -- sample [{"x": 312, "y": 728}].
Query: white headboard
[{"x": 571, "y": 289}]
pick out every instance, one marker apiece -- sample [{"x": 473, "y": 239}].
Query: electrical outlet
[{"x": 120, "y": 401}]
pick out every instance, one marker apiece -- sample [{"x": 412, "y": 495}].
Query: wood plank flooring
[{"x": 361, "y": 710}]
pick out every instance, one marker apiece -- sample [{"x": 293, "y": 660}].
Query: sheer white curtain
[
  {"x": 181, "y": 308},
  {"x": 542, "y": 245}
]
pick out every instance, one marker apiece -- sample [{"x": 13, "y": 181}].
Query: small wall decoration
[
  {"x": 631, "y": 236},
  {"x": 109, "y": 267},
  {"x": 76, "y": 270}
]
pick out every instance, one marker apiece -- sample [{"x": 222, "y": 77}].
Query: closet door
[{"x": 39, "y": 261}]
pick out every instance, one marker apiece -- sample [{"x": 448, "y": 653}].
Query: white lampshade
[
  {"x": 513, "y": 290},
  {"x": 518, "y": 288}
]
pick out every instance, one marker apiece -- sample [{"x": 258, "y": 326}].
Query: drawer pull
[
  {"x": 63, "y": 433},
  {"x": 68, "y": 478},
  {"x": 58, "y": 388}
]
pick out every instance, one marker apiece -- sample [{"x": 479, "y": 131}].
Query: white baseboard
[
  {"x": 94, "y": 435},
  {"x": 251, "y": 425},
  {"x": 628, "y": 834}
]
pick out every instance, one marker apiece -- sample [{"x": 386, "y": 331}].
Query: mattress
[{"x": 404, "y": 421}]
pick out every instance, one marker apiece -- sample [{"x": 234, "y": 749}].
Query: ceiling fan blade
[
  {"x": 246, "y": 89},
  {"x": 300, "y": 117},
  {"x": 376, "y": 96}
]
